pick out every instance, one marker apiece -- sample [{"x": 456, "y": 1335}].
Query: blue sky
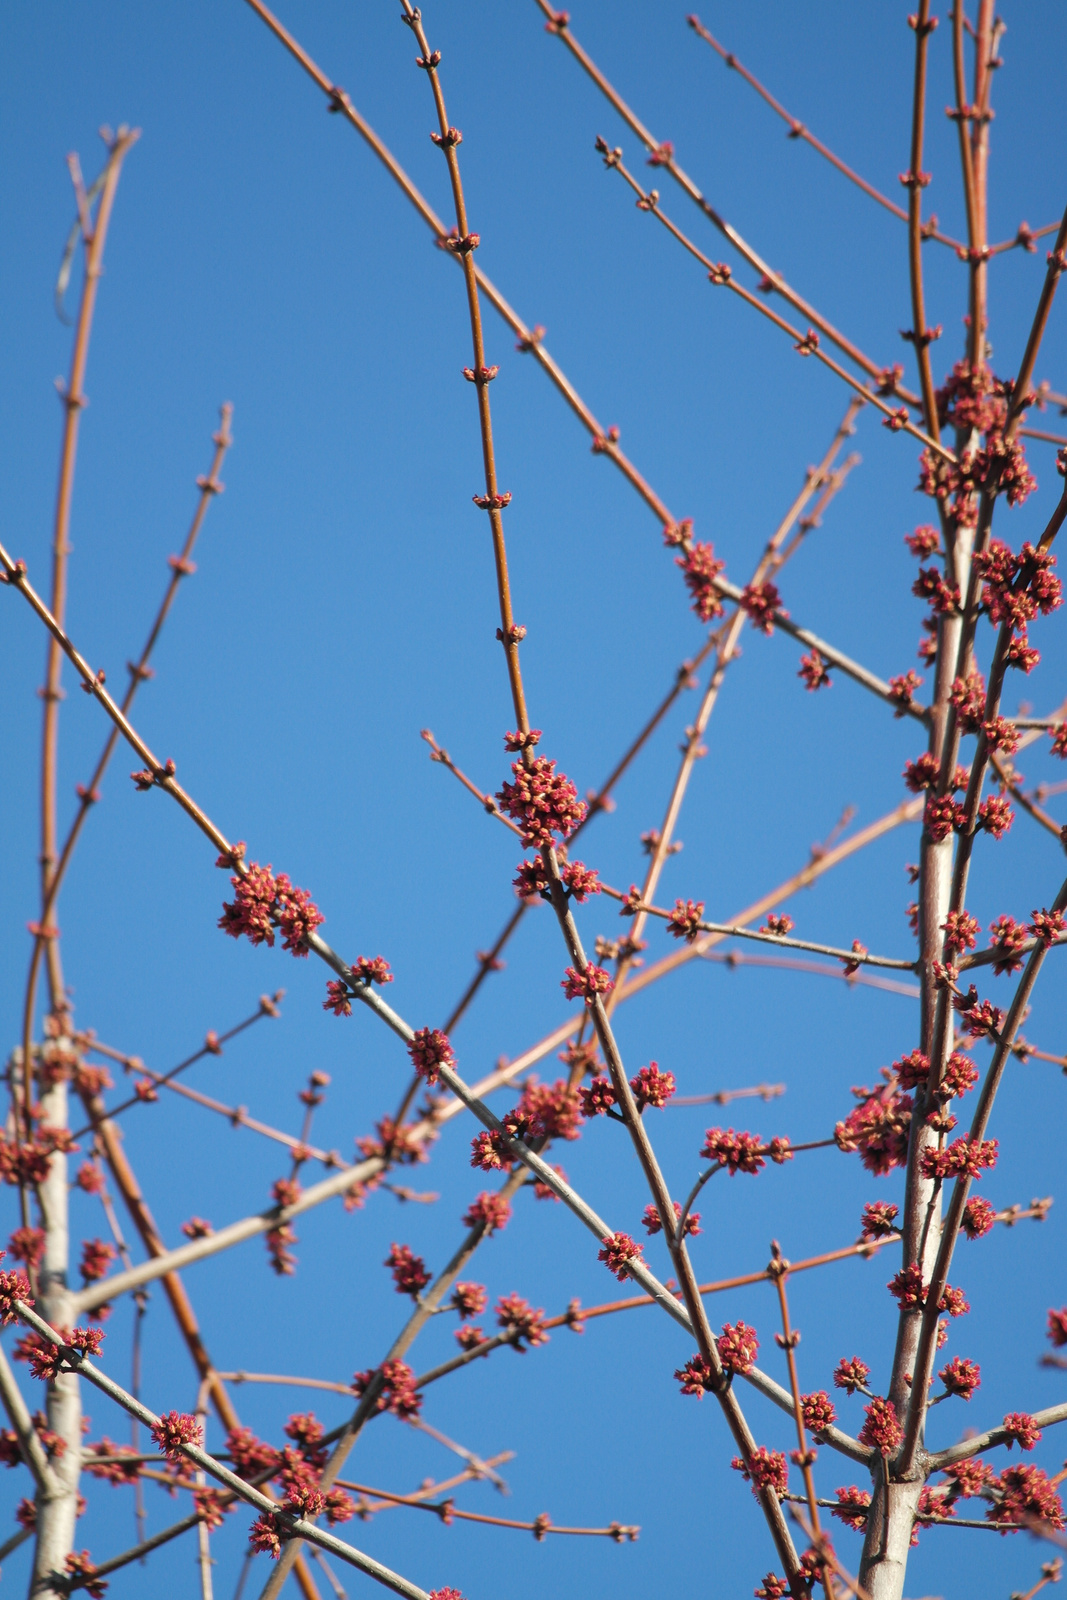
[{"x": 344, "y": 600}]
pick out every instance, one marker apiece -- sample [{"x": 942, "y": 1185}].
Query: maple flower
[
  {"x": 968, "y": 1478},
  {"x": 619, "y": 1250},
  {"x": 1057, "y": 1327},
  {"x": 1000, "y": 734},
  {"x": 81, "y": 1568},
  {"x": 700, "y": 568},
  {"x": 922, "y": 773},
  {"x": 551, "y": 1111},
  {"x": 587, "y": 984},
  {"x": 1047, "y": 926},
  {"x": 979, "y": 1018},
  {"x": 941, "y": 816},
  {"x": 469, "y": 1337},
  {"x": 902, "y": 689},
  {"x": 779, "y": 923},
  {"x": 581, "y": 881},
  {"x": 490, "y": 1210},
  {"x": 930, "y": 586},
  {"x": 818, "y": 1410},
  {"x": 879, "y": 1219},
  {"x": 469, "y": 1299},
  {"x": 489, "y": 1151},
  {"x": 266, "y": 1534},
  {"x": 653, "y": 1222},
  {"x": 521, "y": 1321},
  {"x": 398, "y": 1393},
  {"x": 409, "y": 1270},
  {"x": 1021, "y": 1429},
  {"x": 953, "y": 1301},
  {"x": 737, "y": 1345},
  {"x": 961, "y": 1377},
  {"x": 597, "y": 1098},
  {"x": 995, "y": 815},
  {"x": 1058, "y": 734},
  {"x": 1008, "y": 937},
  {"x": 531, "y": 878},
  {"x": 696, "y": 1377},
  {"x": 908, "y": 1288},
  {"x": 429, "y": 1051},
  {"x": 174, "y": 1429},
  {"x": 449, "y": 1593},
  {"x": 881, "y": 1431},
  {"x": 851, "y": 1508},
  {"x": 739, "y": 1152},
  {"x": 772, "y": 1588},
  {"x": 814, "y": 671},
  {"x": 877, "y": 1128},
  {"x": 27, "y": 1244},
  {"x": 372, "y": 969},
  {"x": 212, "y": 1507},
  {"x": 542, "y": 801},
  {"x": 651, "y": 1087},
  {"x": 1023, "y": 1492},
  {"x": 978, "y": 1217},
  {"x": 126, "y": 1470},
  {"x": 765, "y": 1469},
  {"x": 761, "y": 601},
  {"x": 923, "y": 542},
  {"x": 961, "y": 931},
  {"x": 684, "y": 922},
  {"x": 97, "y": 1256}
]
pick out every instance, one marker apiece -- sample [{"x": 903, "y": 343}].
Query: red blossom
[
  {"x": 779, "y": 923},
  {"x": 765, "y": 1469},
  {"x": 261, "y": 900},
  {"x": 961, "y": 931},
  {"x": 879, "y": 1219},
  {"x": 881, "y": 1431},
  {"x": 912, "y": 1070},
  {"x": 761, "y": 601},
  {"x": 684, "y": 922},
  {"x": 908, "y": 1288},
  {"x": 962, "y": 1158},
  {"x": 978, "y": 1217},
  {"x": 409, "y": 1270},
  {"x": 449, "y": 1593},
  {"x": 859, "y": 955},
  {"x": 851, "y": 1375},
  {"x": 581, "y": 881},
  {"x": 429, "y": 1051},
  {"x": 700, "y": 568},
  {"x": 967, "y": 1479},
  {"x": 619, "y": 1250},
  {"x": 877, "y": 1128},
  {"x": 960, "y": 1075},
  {"x": 267, "y": 1533},
  {"x": 542, "y": 802},
  {"x": 818, "y": 1411},
  {"x": 814, "y": 671},
  {"x": 1021, "y": 1430},
  {"x": 27, "y": 1244},
  {"x": 372, "y": 969},
  {"x": 902, "y": 689},
  {"x": 1057, "y": 1327},
  {"x": 923, "y": 542},
  {"x": 531, "y": 878},
  {"x": 851, "y": 1508},
  {"x": 968, "y": 696},
  {"x": 97, "y": 1256},
  {"x": 1000, "y": 734},
  {"x": 651, "y": 1087},
  {"x": 696, "y": 1377},
  {"x": 597, "y": 1098},
  {"x": 517, "y": 741},
  {"x": 490, "y": 1211},
  {"x": 81, "y": 1569},
  {"x": 922, "y": 773},
  {"x": 469, "y": 1337},
  {"x": 1020, "y": 653},
  {"x": 544, "y": 1191},
  {"x": 490, "y": 1151},
  {"x": 1024, "y": 1492},
  {"x": 941, "y": 815},
  {"x": 398, "y": 1393},
  {"x": 930, "y": 586},
  {"x": 654, "y": 1223},
  {"x": 1047, "y": 926},
  {"x": 1058, "y": 734},
  {"x": 953, "y": 1301},
  {"x": 1008, "y": 937},
  {"x": 995, "y": 815},
  {"x": 737, "y": 1345},
  {"x": 175, "y": 1429},
  {"x": 469, "y": 1299},
  {"x": 551, "y": 1111},
  {"x": 524, "y": 1326},
  {"x": 739, "y": 1152},
  {"x": 250, "y": 1456},
  {"x": 961, "y": 1377},
  {"x": 587, "y": 984},
  {"x": 211, "y": 1506},
  {"x": 772, "y": 1588}
]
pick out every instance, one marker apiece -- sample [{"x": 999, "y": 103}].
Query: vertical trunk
[{"x": 57, "y": 1512}]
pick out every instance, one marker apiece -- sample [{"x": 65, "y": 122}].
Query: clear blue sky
[{"x": 344, "y": 600}]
